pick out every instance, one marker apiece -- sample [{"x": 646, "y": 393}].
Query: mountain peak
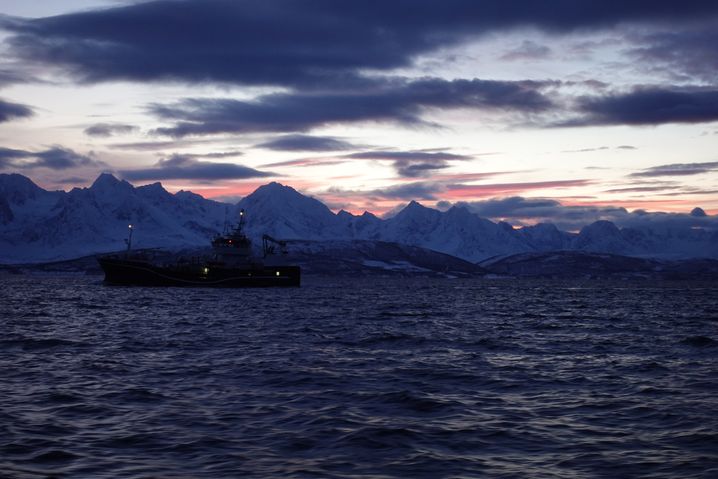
[
  {"x": 16, "y": 181},
  {"x": 154, "y": 189},
  {"x": 17, "y": 188},
  {"x": 601, "y": 227},
  {"x": 415, "y": 214},
  {"x": 698, "y": 212},
  {"x": 105, "y": 180},
  {"x": 414, "y": 208},
  {"x": 274, "y": 187},
  {"x": 281, "y": 199}
]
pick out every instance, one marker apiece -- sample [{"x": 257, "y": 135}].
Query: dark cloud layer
[
  {"x": 10, "y": 111},
  {"x": 412, "y": 164},
  {"x": 55, "y": 158},
  {"x": 420, "y": 190},
  {"x": 12, "y": 75},
  {"x": 431, "y": 190},
  {"x": 305, "y": 143},
  {"x": 180, "y": 167},
  {"x": 684, "y": 54},
  {"x": 649, "y": 106},
  {"x": 532, "y": 210},
  {"x": 285, "y": 42},
  {"x": 106, "y": 130},
  {"x": 391, "y": 100},
  {"x": 678, "y": 169}
]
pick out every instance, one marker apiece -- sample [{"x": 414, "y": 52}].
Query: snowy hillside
[
  {"x": 47, "y": 226},
  {"x": 283, "y": 212},
  {"x": 38, "y": 225}
]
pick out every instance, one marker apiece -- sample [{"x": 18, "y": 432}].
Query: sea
[{"x": 378, "y": 377}]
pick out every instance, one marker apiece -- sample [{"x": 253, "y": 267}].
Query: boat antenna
[
  {"x": 241, "y": 219},
  {"x": 129, "y": 240}
]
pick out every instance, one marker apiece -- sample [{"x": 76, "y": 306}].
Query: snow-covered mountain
[
  {"x": 283, "y": 212},
  {"x": 38, "y": 225}
]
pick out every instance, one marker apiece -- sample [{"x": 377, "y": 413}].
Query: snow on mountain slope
[
  {"x": 658, "y": 241},
  {"x": 23, "y": 200},
  {"x": 48, "y": 226},
  {"x": 546, "y": 237},
  {"x": 283, "y": 212},
  {"x": 38, "y": 225},
  {"x": 456, "y": 231}
]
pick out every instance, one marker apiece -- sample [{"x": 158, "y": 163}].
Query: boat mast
[
  {"x": 241, "y": 220},
  {"x": 129, "y": 241}
]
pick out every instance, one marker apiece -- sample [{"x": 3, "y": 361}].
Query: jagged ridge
[{"x": 38, "y": 225}]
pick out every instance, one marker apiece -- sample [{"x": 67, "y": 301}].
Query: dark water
[{"x": 378, "y": 378}]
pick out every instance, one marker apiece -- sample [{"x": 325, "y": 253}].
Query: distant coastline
[{"x": 347, "y": 259}]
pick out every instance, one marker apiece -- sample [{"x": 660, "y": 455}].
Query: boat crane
[{"x": 268, "y": 248}]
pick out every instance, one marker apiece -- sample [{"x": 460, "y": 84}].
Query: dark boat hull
[{"x": 127, "y": 271}]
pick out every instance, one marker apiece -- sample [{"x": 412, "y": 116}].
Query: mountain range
[{"x": 40, "y": 226}]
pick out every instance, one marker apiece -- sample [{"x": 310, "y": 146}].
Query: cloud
[
  {"x": 284, "y": 42},
  {"x": 677, "y": 169},
  {"x": 528, "y": 50},
  {"x": 418, "y": 190},
  {"x": 163, "y": 145},
  {"x": 600, "y": 148},
  {"x": 61, "y": 158},
  {"x": 215, "y": 154},
  {"x": 10, "y": 111},
  {"x": 106, "y": 130},
  {"x": 412, "y": 164},
  {"x": 642, "y": 189},
  {"x": 648, "y": 106},
  {"x": 430, "y": 190},
  {"x": 496, "y": 189},
  {"x": 179, "y": 167},
  {"x": 55, "y": 158},
  {"x": 305, "y": 143},
  {"x": 683, "y": 54},
  {"x": 306, "y": 162},
  {"x": 520, "y": 210},
  {"x": 10, "y": 76},
  {"x": 586, "y": 150},
  {"x": 515, "y": 206},
  {"x": 8, "y": 154},
  {"x": 396, "y": 100}
]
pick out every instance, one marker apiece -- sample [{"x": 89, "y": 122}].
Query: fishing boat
[{"x": 230, "y": 265}]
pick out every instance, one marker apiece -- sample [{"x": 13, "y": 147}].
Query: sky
[{"x": 563, "y": 111}]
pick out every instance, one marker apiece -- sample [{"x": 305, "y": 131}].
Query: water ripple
[{"x": 349, "y": 378}]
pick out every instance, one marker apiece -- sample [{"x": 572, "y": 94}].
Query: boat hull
[{"x": 124, "y": 271}]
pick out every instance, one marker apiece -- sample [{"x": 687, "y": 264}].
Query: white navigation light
[
  {"x": 129, "y": 226},
  {"x": 277, "y": 273},
  {"x": 206, "y": 270}
]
